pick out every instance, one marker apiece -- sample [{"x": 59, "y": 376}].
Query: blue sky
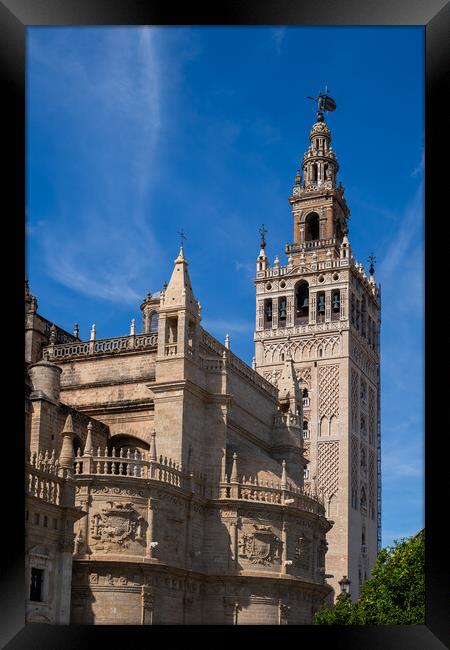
[{"x": 133, "y": 133}]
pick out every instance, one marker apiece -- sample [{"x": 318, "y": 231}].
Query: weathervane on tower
[
  {"x": 263, "y": 233},
  {"x": 324, "y": 103}
]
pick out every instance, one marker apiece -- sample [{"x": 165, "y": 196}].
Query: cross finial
[
  {"x": 182, "y": 236},
  {"x": 372, "y": 262}
]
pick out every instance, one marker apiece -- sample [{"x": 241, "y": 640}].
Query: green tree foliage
[{"x": 394, "y": 596}]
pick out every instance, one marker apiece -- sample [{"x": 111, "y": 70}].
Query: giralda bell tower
[{"x": 323, "y": 311}]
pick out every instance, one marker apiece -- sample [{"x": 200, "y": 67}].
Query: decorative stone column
[
  {"x": 327, "y": 306},
  {"x": 290, "y": 311},
  {"x": 312, "y": 308},
  {"x": 274, "y": 313}
]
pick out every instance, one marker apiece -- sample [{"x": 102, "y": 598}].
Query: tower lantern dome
[{"x": 320, "y": 165}]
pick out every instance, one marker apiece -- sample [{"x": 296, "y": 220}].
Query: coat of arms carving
[
  {"x": 261, "y": 546},
  {"x": 119, "y": 524}
]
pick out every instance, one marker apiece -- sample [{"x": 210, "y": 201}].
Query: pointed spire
[
  {"x": 67, "y": 456},
  {"x": 179, "y": 290},
  {"x": 52, "y": 334},
  {"x": 133, "y": 327},
  {"x": 88, "y": 445},
  {"x": 234, "y": 471},
  {"x": 181, "y": 257},
  {"x": 227, "y": 341},
  {"x": 76, "y": 330},
  {"x": 153, "y": 456},
  {"x": 93, "y": 332}
]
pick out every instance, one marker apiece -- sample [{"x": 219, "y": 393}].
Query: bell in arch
[
  {"x": 336, "y": 302},
  {"x": 321, "y": 305}
]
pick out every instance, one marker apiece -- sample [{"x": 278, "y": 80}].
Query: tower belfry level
[{"x": 322, "y": 311}]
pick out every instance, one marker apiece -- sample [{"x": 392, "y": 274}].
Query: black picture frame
[{"x": 15, "y": 17}]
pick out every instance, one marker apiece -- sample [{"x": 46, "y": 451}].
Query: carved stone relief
[
  {"x": 260, "y": 546},
  {"x": 115, "y": 527}
]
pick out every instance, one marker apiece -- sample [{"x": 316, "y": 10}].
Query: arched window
[
  {"x": 282, "y": 310},
  {"x": 363, "y": 463},
  {"x": 363, "y": 500},
  {"x": 363, "y": 426},
  {"x": 268, "y": 313},
  {"x": 320, "y": 317},
  {"x": 305, "y": 429},
  {"x": 312, "y": 227},
  {"x": 154, "y": 322},
  {"x": 352, "y": 309},
  {"x": 302, "y": 301},
  {"x": 335, "y": 304}
]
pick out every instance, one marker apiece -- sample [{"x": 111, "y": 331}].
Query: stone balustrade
[
  {"x": 236, "y": 363},
  {"x": 135, "y": 464},
  {"x": 272, "y": 492},
  {"x": 64, "y": 352},
  {"x": 44, "y": 478}
]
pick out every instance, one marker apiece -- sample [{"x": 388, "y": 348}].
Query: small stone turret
[
  {"x": 45, "y": 378},
  {"x": 67, "y": 456},
  {"x": 149, "y": 309}
]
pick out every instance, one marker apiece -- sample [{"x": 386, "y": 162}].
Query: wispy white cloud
[
  {"x": 108, "y": 246},
  {"x": 247, "y": 267},
  {"x": 278, "y": 36},
  {"x": 420, "y": 167},
  {"x": 409, "y": 231}
]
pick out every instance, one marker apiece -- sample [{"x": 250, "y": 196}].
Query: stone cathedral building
[{"x": 167, "y": 482}]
